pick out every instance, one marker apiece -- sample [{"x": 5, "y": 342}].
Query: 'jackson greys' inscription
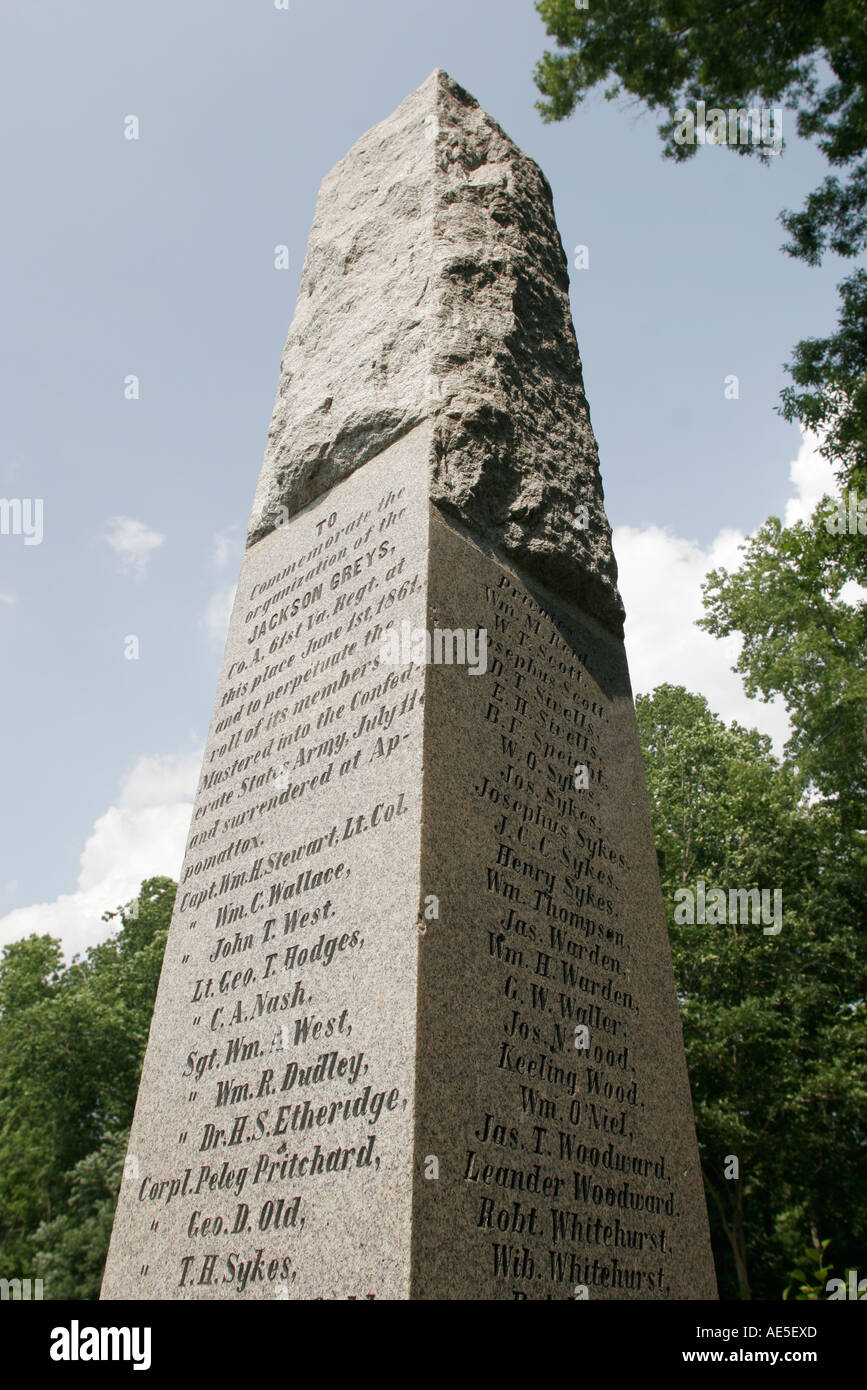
[
  {"x": 277, "y": 1089},
  {"x": 416, "y": 1033}
]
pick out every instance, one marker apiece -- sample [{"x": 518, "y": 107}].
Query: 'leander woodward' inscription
[
  {"x": 564, "y": 1167},
  {"x": 564, "y": 962}
]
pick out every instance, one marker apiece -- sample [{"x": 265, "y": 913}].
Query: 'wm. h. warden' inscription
[{"x": 416, "y": 1033}]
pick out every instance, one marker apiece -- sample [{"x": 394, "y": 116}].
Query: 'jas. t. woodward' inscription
[{"x": 416, "y": 1033}]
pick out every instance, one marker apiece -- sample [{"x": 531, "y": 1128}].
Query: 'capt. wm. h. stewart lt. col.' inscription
[{"x": 416, "y": 1034}]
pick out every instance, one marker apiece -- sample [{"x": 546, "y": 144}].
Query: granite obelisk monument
[{"x": 416, "y": 1034}]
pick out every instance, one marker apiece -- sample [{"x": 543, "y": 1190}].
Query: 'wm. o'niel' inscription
[
  {"x": 560, "y": 1172},
  {"x": 289, "y": 1098},
  {"x": 416, "y": 1034}
]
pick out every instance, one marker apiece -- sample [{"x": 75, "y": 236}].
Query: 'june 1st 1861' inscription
[{"x": 285, "y": 1068}]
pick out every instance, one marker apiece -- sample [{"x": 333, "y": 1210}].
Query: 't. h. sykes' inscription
[{"x": 275, "y": 1060}]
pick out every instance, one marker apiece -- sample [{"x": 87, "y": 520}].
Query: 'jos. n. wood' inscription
[{"x": 416, "y": 1033}]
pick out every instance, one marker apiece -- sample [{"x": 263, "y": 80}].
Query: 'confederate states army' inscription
[{"x": 285, "y": 1088}]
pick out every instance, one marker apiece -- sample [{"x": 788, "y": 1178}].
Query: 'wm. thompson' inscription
[{"x": 548, "y": 899}]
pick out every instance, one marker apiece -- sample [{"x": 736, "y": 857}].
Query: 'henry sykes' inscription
[{"x": 561, "y": 1186}]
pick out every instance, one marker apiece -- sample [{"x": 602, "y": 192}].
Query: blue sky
[{"x": 155, "y": 257}]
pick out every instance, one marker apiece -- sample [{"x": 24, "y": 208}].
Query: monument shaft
[{"x": 416, "y": 1034}]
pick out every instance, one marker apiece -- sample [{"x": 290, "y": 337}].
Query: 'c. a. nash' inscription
[{"x": 416, "y": 1033}]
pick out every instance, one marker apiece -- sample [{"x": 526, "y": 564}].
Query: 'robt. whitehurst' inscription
[{"x": 416, "y": 1035}]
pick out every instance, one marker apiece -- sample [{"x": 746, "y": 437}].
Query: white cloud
[
  {"x": 8, "y": 600},
  {"x": 142, "y": 836},
  {"x": 228, "y": 545},
  {"x": 660, "y": 580},
  {"x": 813, "y": 476},
  {"x": 217, "y": 615},
  {"x": 853, "y": 592},
  {"x": 133, "y": 542}
]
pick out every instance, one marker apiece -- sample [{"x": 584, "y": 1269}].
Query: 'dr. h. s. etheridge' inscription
[
  {"x": 416, "y": 1034},
  {"x": 281, "y": 1068}
]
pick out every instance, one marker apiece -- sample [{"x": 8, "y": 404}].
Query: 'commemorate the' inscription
[
  {"x": 285, "y": 1015},
  {"x": 416, "y": 1034}
]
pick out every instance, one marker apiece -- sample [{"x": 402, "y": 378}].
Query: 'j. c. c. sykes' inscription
[{"x": 565, "y": 1185}]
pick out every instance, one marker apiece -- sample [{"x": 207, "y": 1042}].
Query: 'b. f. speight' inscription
[{"x": 557, "y": 1183}]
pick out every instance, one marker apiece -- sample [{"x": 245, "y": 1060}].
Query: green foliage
[
  {"x": 813, "y": 1280},
  {"x": 775, "y": 1027},
  {"x": 804, "y": 642},
  {"x": 808, "y": 1284},
  {"x": 811, "y": 58},
  {"x": 72, "y": 1041},
  {"x": 71, "y": 1249},
  {"x": 830, "y": 390},
  {"x": 673, "y": 53}
]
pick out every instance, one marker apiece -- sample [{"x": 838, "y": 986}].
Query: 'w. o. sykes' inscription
[{"x": 562, "y": 1173}]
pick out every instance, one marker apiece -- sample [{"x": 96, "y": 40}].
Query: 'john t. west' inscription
[{"x": 416, "y": 1033}]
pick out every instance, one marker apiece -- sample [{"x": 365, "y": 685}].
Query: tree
[
  {"x": 71, "y": 1249},
  {"x": 775, "y": 1033},
  {"x": 72, "y": 1040},
  {"x": 803, "y": 641},
  {"x": 738, "y": 54}
]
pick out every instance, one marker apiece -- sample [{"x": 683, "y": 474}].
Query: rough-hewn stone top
[{"x": 435, "y": 287}]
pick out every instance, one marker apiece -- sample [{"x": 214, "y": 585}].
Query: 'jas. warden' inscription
[{"x": 416, "y": 1034}]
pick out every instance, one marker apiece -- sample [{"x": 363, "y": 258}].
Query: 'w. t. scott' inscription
[{"x": 562, "y": 1170}]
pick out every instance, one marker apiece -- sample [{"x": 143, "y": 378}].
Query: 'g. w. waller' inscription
[
  {"x": 416, "y": 1033},
  {"x": 563, "y": 1066}
]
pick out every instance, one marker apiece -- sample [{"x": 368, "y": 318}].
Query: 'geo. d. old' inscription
[
  {"x": 277, "y": 1074},
  {"x": 416, "y": 1034}
]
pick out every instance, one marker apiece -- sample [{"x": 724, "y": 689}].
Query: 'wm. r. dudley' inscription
[
  {"x": 416, "y": 1034},
  {"x": 276, "y": 1088}
]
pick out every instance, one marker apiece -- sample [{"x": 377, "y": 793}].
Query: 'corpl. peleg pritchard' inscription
[
  {"x": 416, "y": 1033},
  {"x": 276, "y": 1096}
]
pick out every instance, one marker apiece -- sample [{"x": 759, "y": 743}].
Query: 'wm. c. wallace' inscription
[
  {"x": 416, "y": 1035},
  {"x": 274, "y": 1090}
]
